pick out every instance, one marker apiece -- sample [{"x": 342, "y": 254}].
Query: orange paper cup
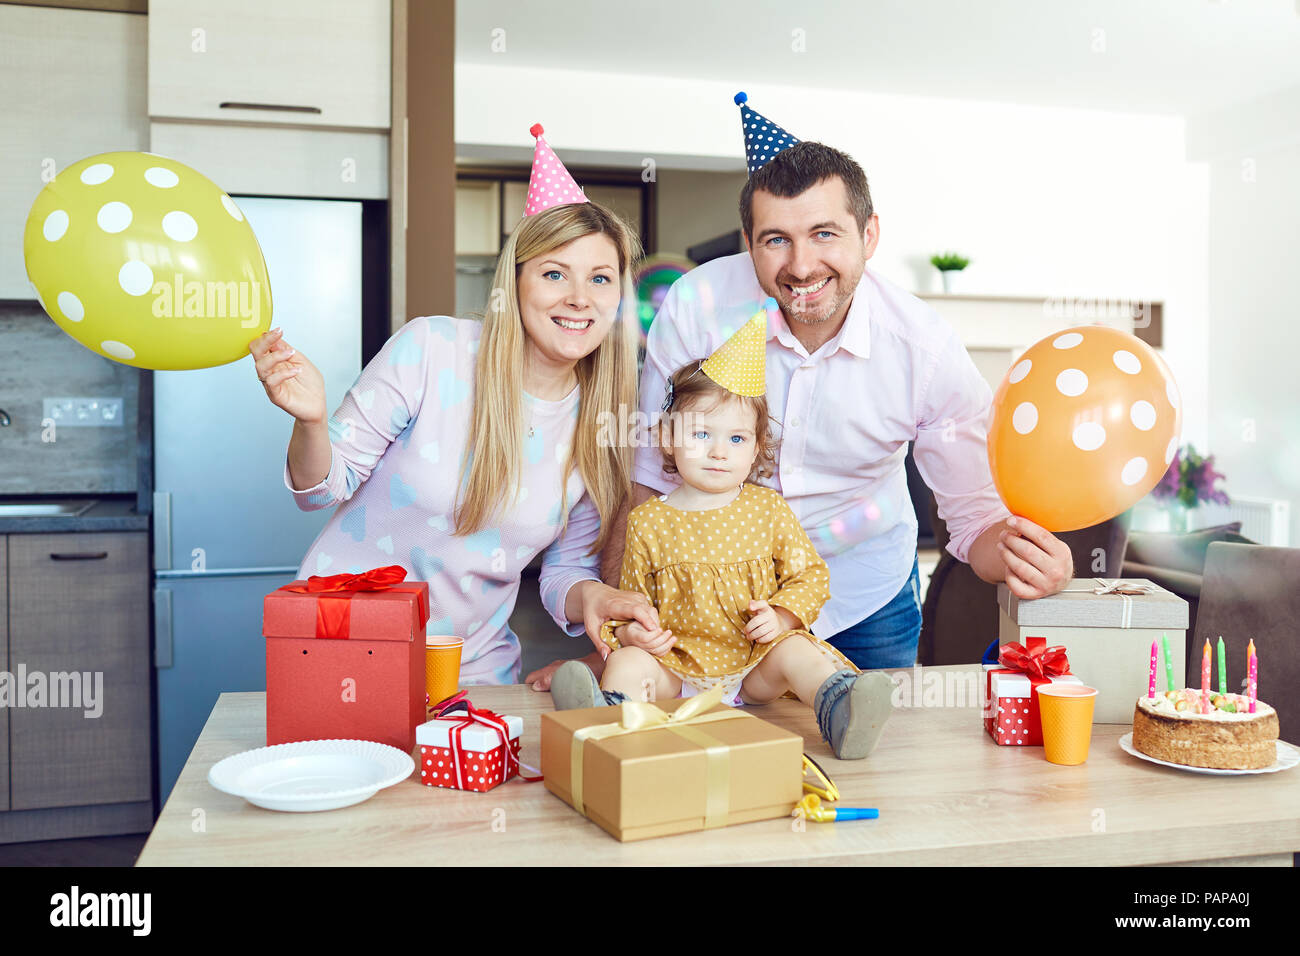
[
  {"x": 1066, "y": 713},
  {"x": 442, "y": 667}
]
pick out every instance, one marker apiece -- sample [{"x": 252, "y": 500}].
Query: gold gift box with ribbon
[{"x": 644, "y": 770}]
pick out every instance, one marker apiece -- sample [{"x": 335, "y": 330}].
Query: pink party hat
[{"x": 550, "y": 184}]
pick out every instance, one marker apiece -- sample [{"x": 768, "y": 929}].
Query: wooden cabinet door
[
  {"x": 74, "y": 85},
  {"x": 79, "y": 603},
  {"x": 300, "y": 62},
  {"x": 4, "y": 665}
]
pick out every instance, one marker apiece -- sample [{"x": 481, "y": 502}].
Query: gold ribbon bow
[{"x": 639, "y": 716}]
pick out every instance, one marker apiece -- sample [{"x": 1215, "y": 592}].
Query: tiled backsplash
[{"x": 38, "y": 361}]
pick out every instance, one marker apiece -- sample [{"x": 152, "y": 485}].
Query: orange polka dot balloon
[
  {"x": 1084, "y": 424},
  {"x": 147, "y": 262}
]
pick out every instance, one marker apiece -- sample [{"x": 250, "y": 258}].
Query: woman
[{"x": 465, "y": 448}]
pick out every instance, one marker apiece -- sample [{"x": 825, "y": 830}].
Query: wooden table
[{"x": 947, "y": 795}]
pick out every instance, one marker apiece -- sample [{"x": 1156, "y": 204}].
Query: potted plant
[
  {"x": 948, "y": 264},
  {"x": 1188, "y": 482}
]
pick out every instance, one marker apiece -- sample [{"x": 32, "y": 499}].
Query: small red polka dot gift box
[
  {"x": 471, "y": 750},
  {"x": 1010, "y": 701}
]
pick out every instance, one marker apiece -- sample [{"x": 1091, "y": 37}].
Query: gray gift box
[{"x": 1106, "y": 636}]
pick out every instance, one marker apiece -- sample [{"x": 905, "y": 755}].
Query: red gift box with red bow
[
  {"x": 468, "y": 748},
  {"x": 1010, "y": 699},
  {"x": 345, "y": 658}
]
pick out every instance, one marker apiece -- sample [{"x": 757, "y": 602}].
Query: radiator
[{"x": 1264, "y": 520}]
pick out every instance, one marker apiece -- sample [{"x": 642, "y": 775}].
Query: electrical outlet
[{"x": 83, "y": 412}]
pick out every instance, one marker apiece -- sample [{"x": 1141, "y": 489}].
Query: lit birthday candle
[
  {"x": 1169, "y": 664},
  {"x": 1205, "y": 678},
  {"x": 1151, "y": 683},
  {"x": 1252, "y": 674},
  {"x": 1223, "y": 668}
]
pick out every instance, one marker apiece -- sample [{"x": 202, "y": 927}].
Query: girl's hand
[
  {"x": 291, "y": 381},
  {"x": 768, "y": 622},
  {"x": 656, "y": 642},
  {"x": 601, "y": 603}
]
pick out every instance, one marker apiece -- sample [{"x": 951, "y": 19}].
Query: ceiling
[{"x": 1145, "y": 56}]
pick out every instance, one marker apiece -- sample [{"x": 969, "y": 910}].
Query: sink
[{"x": 45, "y": 509}]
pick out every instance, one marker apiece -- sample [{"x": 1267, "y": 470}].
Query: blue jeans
[{"x": 889, "y": 637}]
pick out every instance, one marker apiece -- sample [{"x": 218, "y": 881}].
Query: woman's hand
[
  {"x": 601, "y": 603},
  {"x": 655, "y": 642},
  {"x": 768, "y": 622},
  {"x": 291, "y": 381}
]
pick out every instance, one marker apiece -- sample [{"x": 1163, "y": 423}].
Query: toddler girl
[{"x": 734, "y": 577}]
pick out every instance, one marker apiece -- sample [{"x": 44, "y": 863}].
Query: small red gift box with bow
[
  {"x": 471, "y": 750},
  {"x": 1010, "y": 702},
  {"x": 345, "y": 658}
]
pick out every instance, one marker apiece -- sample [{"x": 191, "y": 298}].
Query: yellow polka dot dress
[{"x": 701, "y": 569}]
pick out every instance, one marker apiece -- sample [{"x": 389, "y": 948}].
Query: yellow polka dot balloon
[
  {"x": 1084, "y": 424},
  {"x": 147, "y": 262}
]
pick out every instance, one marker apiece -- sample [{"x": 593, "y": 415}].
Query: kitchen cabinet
[
  {"x": 297, "y": 62},
  {"x": 74, "y": 85},
  {"x": 4, "y": 664},
  {"x": 280, "y": 160},
  {"x": 78, "y": 603},
  {"x": 478, "y": 218},
  {"x": 625, "y": 201}
]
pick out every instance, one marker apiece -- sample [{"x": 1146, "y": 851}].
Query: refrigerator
[{"x": 226, "y": 530}]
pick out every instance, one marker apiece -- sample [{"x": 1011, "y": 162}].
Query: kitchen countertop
[
  {"x": 108, "y": 514},
  {"x": 947, "y": 796}
]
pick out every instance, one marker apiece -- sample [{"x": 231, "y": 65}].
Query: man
[{"x": 856, "y": 369}]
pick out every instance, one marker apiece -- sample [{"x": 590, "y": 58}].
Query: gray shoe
[
  {"x": 574, "y": 686},
  {"x": 851, "y": 711}
]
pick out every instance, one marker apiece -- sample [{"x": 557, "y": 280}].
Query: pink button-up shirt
[{"x": 894, "y": 373}]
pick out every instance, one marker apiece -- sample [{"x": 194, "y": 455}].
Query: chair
[
  {"x": 1250, "y": 591},
  {"x": 1176, "y": 562},
  {"x": 960, "y": 614}
]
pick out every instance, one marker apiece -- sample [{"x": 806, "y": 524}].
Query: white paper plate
[
  {"x": 311, "y": 774},
  {"x": 1287, "y": 757}
]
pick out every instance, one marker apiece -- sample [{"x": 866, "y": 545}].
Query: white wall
[
  {"x": 1254, "y": 333},
  {"x": 1051, "y": 202}
]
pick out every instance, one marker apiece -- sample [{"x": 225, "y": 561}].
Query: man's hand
[
  {"x": 1037, "y": 562},
  {"x": 768, "y": 622},
  {"x": 655, "y": 642}
]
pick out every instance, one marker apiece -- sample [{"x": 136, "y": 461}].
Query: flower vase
[{"x": 1180, "y": 519}]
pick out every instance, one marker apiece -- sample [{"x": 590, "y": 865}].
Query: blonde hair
[{"x": 607, "y": 379}]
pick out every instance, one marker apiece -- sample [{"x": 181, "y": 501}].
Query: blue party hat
[{"x": 763, "y": 138}]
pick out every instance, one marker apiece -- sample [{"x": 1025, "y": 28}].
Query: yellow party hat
[{"x": 740, "y": 363}]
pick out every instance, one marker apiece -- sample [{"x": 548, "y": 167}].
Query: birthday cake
[{"x": 1170, "y": 727}]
